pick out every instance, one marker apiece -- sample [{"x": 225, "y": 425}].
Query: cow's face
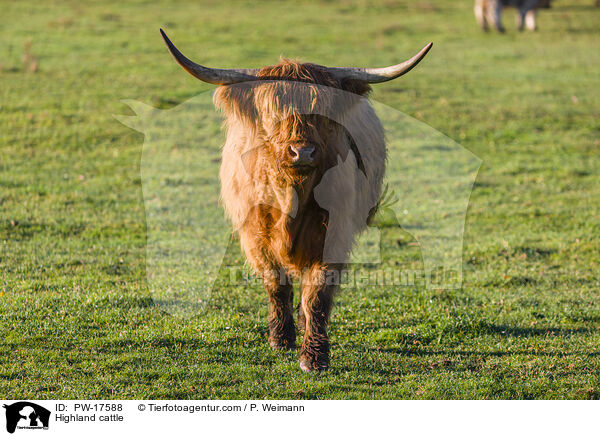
[
  {"x": 278, "y": 104},
  {"x": 297, "y": 143}
]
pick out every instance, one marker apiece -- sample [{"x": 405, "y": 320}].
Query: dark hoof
[
  {"x": 313, "y": 363},
  {"x": 284, "y": 341},
  {"x": 282, "y": 336},
  {"x": 282, "y": 344}
]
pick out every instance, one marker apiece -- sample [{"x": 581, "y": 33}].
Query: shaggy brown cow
[{"x": 287, "y": 126}]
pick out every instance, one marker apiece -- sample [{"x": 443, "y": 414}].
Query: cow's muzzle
[{"x": 302, "y": 155}]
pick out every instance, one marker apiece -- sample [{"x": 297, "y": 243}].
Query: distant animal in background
[{"x": 490, "y": 12}]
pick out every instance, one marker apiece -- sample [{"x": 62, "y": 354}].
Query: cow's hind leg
[
  {"x": 530, "y": 20},
  {"x": 480, "y": 14},
  {"x": 317, "y": 298},
  {"x": 282, "y": 334},
  {"x": 521, "y": 19},
  {"x": 494, "y": 14}
]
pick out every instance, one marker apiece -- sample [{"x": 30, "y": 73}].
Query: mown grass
[{"x": 76, "y": 317}]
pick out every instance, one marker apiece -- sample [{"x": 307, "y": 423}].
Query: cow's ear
[{"x": 356, "y": 86}]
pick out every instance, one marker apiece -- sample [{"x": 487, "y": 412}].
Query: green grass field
[{"x": 76, "y": 317}]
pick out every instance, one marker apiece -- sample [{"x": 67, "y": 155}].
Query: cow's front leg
[
  {"x": 282, "y": 333},
  {"x": 317, "y": 298},
  {"x": 301, "y": 318}
]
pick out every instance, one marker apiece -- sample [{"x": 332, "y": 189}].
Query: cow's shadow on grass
[
  {"x": 397, "y": 357},
  {"x": 422, "y": 360}
]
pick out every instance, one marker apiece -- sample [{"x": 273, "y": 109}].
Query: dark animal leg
[
  {"x": 480, "y": 16},
  {"x": 521, "y": 19},
  {"x": 317, "y": 299},
  {"x": 496, "y": 16},
  {"x": 282, "y": 334}
]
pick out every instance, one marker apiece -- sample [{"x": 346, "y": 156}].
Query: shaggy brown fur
[{"x": 272, "y": 204}]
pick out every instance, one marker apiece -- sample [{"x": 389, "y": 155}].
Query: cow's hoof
[
  {"x": 287, "y": 342},
  {"x": 281, "y": 345},
  {"x": 313, "y": 363},
  {"x": 282, "y": 336}
]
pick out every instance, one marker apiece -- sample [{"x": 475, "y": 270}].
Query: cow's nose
[{"x": 302, "y": 155}]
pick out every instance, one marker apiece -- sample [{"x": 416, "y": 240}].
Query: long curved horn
[
  {"x": 377, "y": 75},
  {"x": 216, "y": 76}
]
